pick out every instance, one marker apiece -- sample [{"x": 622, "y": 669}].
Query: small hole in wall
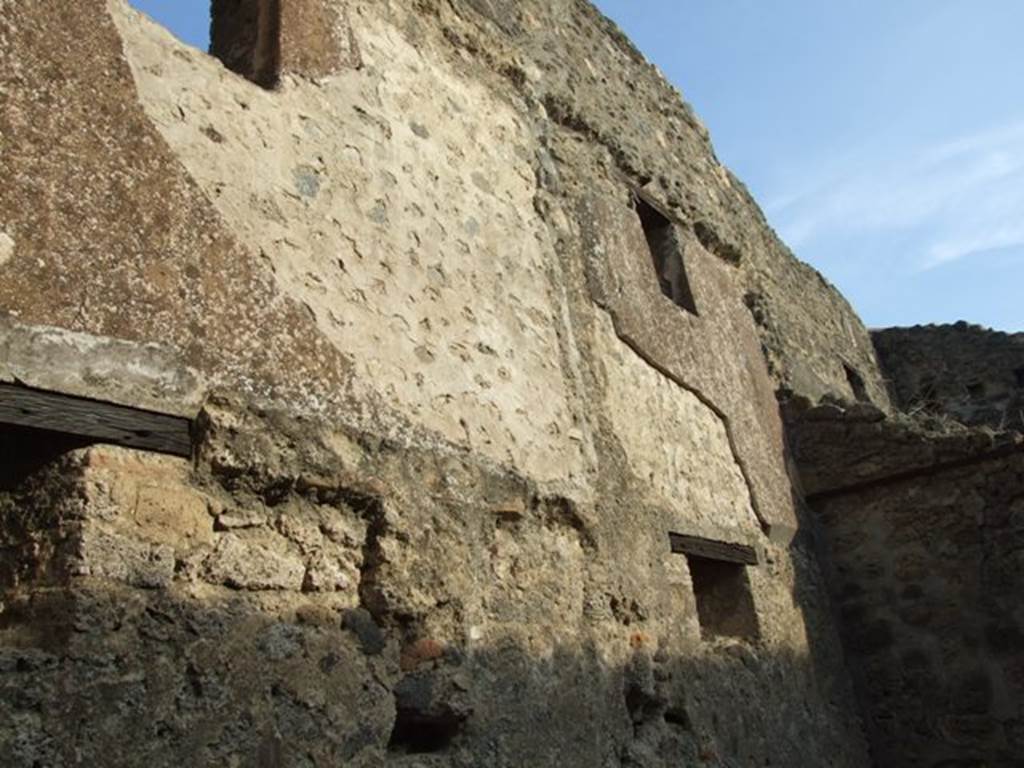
[
  {"x": 725, "y": 604},
  {"x": 976, "y": 390},
  {"x": 25, "y": 450},
  {"x": 667, "y": 255},
  {"x": 418, "y": 733},
  {"x": 1018, "y": 374},
  {"x": 857, "y": 386}
]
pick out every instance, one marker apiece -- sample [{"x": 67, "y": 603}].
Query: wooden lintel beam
[
  {"x": 103, "y": 422},
  {"x": 710, "y": 549}
]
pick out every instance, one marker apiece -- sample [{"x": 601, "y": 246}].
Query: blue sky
[{"x": 883, "y": 138}]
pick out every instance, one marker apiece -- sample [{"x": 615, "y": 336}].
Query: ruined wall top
[{"x": 973, "y": 374}]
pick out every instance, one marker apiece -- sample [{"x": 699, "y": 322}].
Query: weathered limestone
[{"x": 147, "y": 376}]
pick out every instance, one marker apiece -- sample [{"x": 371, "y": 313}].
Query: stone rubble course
[{"x": 299, "y": 607}]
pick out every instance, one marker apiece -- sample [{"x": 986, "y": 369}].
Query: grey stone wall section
[
  {"x": 923, "y": 535},
  {"x": 972, "y": 374}
]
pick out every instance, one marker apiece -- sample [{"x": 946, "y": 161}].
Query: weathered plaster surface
[
  {"x": 112, "y": 236},
  {"x": 694, "y": 474},
  {"x": 688, "y": 349},
  {"x": 403, "y": 221}
]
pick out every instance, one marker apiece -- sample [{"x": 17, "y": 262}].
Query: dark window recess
[
  {"x": 857, "y": 386},
  {"x": 667, "y": 255},
  {"x": 976, "y": 390},
  {"x": 1019, "y": 376},
  {"x": 725, "y": 605},
  {"x": 417, "y": 732},
  {"x": 246, "y": 36},
  {"x": 24, "y": 450}
]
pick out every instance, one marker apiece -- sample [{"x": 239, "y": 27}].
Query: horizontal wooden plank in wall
[
  {"x": 100, "y": 421},
  {"x": 713, "y": 550}
]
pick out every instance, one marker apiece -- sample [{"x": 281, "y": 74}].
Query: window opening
[
  {"x": 246, "y": 36},
  {"x": 725, "y": 605},
  {"x": 721, "y": 586},
  {"x": 417, "y": 733},
  {"x": 24, "y": 451},
  {"x": 666, "y": 255},
  {"x": 857, "y": 386}
]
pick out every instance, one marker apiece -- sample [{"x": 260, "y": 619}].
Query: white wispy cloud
[{"x": 961, "y": 196}]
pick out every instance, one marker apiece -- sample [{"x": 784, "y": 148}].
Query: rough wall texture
[
  {"x": 924, "y": 547},
  {"x": 970, "y": 373},
  {"x": 448, "y": 541},
  {"x": 302, "y": 595}
]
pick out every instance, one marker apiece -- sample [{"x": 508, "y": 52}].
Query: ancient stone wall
[
  {"x": 465, "y": 332},
  {"x": 973, "y": 374},
  {"x": 306, "y": 595},
  {"x": 923, "y": 544}
]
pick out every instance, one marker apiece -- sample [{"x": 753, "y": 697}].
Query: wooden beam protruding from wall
[
  {"x": 100, "y": 421},
  {"x": 710, "y": 549}
]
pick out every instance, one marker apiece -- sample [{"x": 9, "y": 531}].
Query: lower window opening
[
  {"x": 418, "y": 733},
  {"x": 725, "y": 604}
]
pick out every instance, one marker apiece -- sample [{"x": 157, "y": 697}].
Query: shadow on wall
[
  {"x": 140, "y": 658},
  {"x": 24, "y": 450},
  {"x": 101, "y": 675}
]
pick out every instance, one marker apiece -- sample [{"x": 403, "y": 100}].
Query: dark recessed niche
[
  {"x": 725, "y": 604},
  {"x": 857, "y": 386},
  {"x": 417, "y": 733},
  {"x": 666, "y": 255},
  {"x": 24, "y": 450},
  {"x": 246, "y": 37},
  {"x": 976, "y": 390},
  {"x": 1018, "y": 374}
]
